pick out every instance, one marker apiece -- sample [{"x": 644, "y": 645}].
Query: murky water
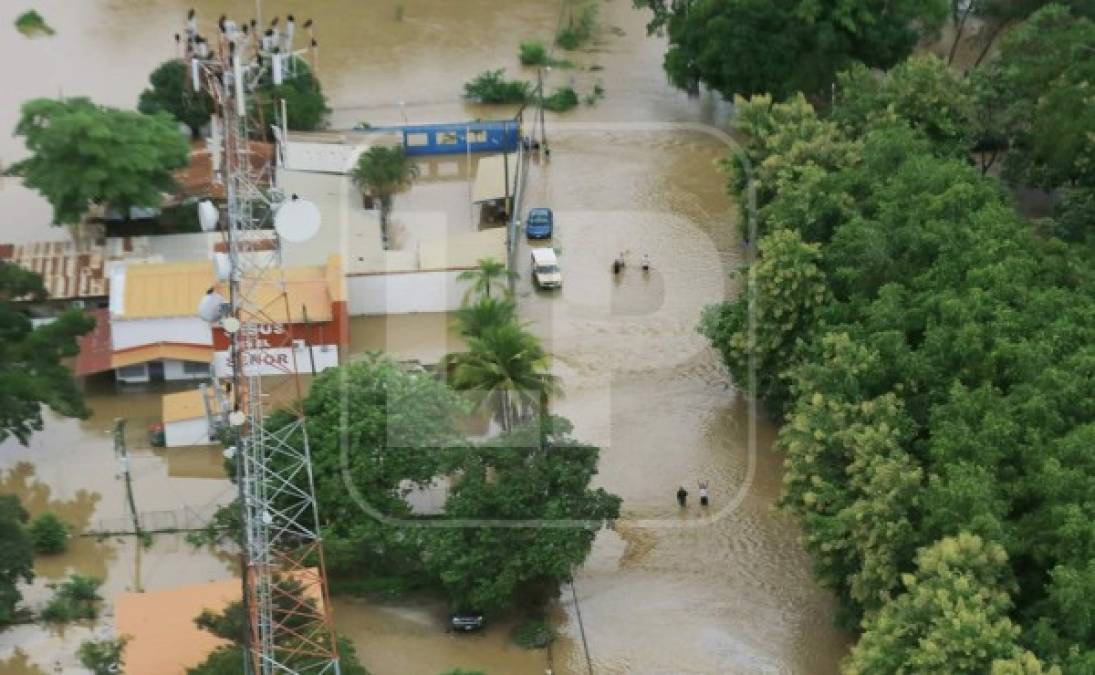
[{"x": 722, "y": 591}]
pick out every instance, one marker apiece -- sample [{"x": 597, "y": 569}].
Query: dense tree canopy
[
  {"x": 172, "y": 93},
  {"x": 305, "y": 102},
  {"x": 16, "y": 555},
  {"x": 760, "y": 46},
  {"x": 31, "y": 370},
  {"x": 84, "y": 154},
  {"x": 937, "y": 388}
]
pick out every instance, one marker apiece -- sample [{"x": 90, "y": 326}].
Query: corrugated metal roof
[{"x": 69, "y": 269}]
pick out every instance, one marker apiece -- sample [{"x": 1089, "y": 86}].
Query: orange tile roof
[{"x": 161, "y": 350}]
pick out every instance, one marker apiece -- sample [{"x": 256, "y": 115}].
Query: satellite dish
[
  {"x": 208, "y": 215},
  {"x": 297, "y": 220},
  {"x": 209, "y": 308}
]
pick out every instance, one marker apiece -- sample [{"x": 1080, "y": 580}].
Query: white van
[{"x": 545, "y": 268}]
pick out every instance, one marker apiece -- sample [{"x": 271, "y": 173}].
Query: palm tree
[
  {"x": 490, "y": 273},
  {"x": 507, "y": 365},
  {"x": 382, "y": 171},
  {"x": 473, "y": 320}
]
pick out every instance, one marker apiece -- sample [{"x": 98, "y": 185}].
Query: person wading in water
[
  {"x": 703, "y": 493},
  {"x": 682, "y": 496}
]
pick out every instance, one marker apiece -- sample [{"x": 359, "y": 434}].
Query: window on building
[
  {"x": 447, "y": 138},
  {"x": 418, "y": 138},
  {"x": 477, "y": 136},
  {"x": 195, "y": 368},
  {"x": 134, "y": 372}
]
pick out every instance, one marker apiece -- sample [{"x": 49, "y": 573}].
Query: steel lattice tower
[{"x": 285, "y": 588}]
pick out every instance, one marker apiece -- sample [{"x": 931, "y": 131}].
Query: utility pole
[{"x": 122, "y": 454}]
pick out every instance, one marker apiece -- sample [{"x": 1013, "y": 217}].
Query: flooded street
[{"x": 726, "y": 590}]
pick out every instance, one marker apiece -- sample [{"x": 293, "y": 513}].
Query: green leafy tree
[
  {"x": 776, "y": 314},
  {"x": 305, "y": 102},
  {"x": 75, "y": 599},
  {"x": 472, "y": 320},
  {"x": 16, "y": 556},
  {"x": 491, "y": 86},
  {"x": 172, "y": 93},
  {"x": 1038, "y": 93},
  {"x": 396, "y": 429},
  {"x": 952, "y": 617},
  {"x": 231, "y": 624},
  {"x": 506, "y": 369},
  {"x": 381, "y": 171},
  {"x": 535, "y": 473},
  {"x": 755, "y": 47},
  {"x": 489, "y": 274},
  {"x": 103, "y": 657},
  {"x": 923, "y": 92},
  {"x": 49, "y": 534},
  {"x": 32, "y": 373},
  {"x": 84, "y": 154}
]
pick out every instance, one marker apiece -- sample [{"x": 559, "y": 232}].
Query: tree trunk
[
  {"x": 960, "y": 27},
  {"x": 988, "y": 45},
  {"x": 385, "y": 210}
]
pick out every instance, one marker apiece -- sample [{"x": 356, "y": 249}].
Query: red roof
[{"x": 95, "y": 347}]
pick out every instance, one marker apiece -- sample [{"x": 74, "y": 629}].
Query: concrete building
[{"x": 151, "y": 330}]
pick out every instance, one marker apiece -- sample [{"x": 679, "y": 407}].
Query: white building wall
[
  {"x": 174, "y": 370},
  {"x": 127, "y": 333},
  {"x": 187, "y": 432},
  {"x": 405, "y": 293}
]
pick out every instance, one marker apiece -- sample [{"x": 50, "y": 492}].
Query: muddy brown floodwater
[{"x": 727, "y": 590}]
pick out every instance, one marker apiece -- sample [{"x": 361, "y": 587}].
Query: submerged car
[
  {"x": 545, "y": 269},
  {"x": 539, "y": 224},
  {"x": 466, "y": 621}
]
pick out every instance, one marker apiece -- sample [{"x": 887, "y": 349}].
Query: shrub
[
  {"x": 77, "y": 598},
  {"x": 579, "y": 28},
  {"x": 102, "y": 657},
  {"x": 491, "y": 87},
  {"x": 534, "y": 53},
  {"x": 533, "y": 634},
  {"x": 561, "y": 100},
  {"x": 32, "y": 24},
  {"x": 49, "y": 534}
]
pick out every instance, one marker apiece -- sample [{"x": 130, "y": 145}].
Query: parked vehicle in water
[
  {"x": 540, "y": 224},
  {"x": 466, "y": 621},
  {"x": 545, "y": 269}
]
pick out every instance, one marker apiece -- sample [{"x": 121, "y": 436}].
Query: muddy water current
[{"x": 721, "y": 590}]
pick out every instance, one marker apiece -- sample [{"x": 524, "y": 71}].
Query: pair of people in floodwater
[
  {"x": 619, "y": 263},
  {"x": 682, "y": 495}
]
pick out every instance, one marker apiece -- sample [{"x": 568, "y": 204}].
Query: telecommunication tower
[{"x": 285, "y": 589}]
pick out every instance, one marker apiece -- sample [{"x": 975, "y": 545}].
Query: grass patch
[
  {"x": 31, "y": 24},
  {"x": 579, "y": 27},
  {"x": 533, "y": 634},
  {"x": 534, "y": 53},
  {"x": 561, "y": 100},
  {"x": 491, "y": 86},
  {"x": 78, "y": 598}
]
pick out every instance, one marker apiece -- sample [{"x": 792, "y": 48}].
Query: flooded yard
[{"x": 727, "y": 590}]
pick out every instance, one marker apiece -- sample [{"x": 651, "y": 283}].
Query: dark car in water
[
  {"x": 539, "y": 224},
  {"x": 466, "y": 621}
]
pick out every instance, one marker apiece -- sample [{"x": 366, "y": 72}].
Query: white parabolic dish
[{"x": 297, "y": 220}]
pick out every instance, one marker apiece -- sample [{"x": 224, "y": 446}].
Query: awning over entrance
[{"x": 490, "y": 178}]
